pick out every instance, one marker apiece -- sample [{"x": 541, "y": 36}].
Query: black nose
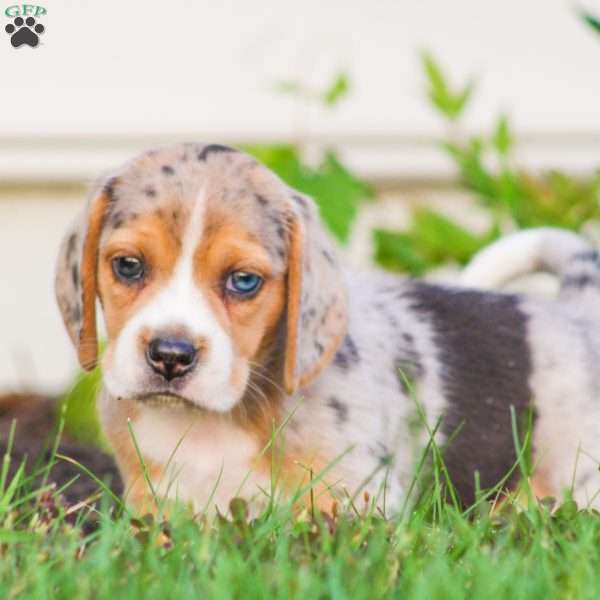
[{"x": 171, "y": 357}]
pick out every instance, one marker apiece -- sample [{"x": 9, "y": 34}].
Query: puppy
[{"x": 243, "y": 361}]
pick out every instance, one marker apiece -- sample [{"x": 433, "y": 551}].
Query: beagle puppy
[{"x": 244, "y": 361}]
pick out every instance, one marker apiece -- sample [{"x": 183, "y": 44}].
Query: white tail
[{"x": 544, "y": 249}]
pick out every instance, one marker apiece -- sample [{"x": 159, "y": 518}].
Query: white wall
[
  {"x": 180, "y": 69},
  {"x": 34, "y": 348}
]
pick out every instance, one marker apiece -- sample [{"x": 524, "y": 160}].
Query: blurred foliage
[
  {"x": 591, "y": 20},
  {"x": 514, "y": 198},
  {"x": 337, "y": 89},
  {"x": 432, "y": 239},
  {"x": 553, "y": 198},
  {"x": 79, "y": 406},
  {"x": 449, "y": 102},
  {"x": 337, "y": 192}
]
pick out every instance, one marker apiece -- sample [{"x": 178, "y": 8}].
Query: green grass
[
  {"x": 527, "y": 554},
  {"x": 517, "y": 550},
  {"x": 513, "y": 548}
]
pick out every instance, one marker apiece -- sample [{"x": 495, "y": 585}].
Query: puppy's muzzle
[{"x": 171, "y": 357}]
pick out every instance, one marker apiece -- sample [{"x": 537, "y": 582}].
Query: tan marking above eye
[
  {"x": 149, "y": 238},
  {"x": 229, "y": 252},
  {"x": 252, "y": 321}
]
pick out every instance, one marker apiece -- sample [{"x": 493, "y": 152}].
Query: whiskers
[
  {"x": 257, "y": 391},
  {"x": 260, "y": 399},
  {"x": 258, "y": 370}
]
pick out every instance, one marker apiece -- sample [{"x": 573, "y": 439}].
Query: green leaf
[
  {"x": 432, "y": 240},
  {"x": 590, "y": 20},
  {"x": 293, "y": 88},
  {"x": 502, "y": 139},
  {"x": 283, "y": 159},
  {"x": 567, "y": 511},
  {"x": 451, "y": 103},
  {"x": 445, "y": 239},
  {"x": 337, "y": 90},
  {"x": 434, "y": 74},
  {"x": 396, "y": 252},
  {"x": 338, "y": 194},
  {"x": 474, "y": 173},
  {"x": 81, "y": 422}
]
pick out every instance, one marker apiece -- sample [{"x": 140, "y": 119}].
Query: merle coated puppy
[{"x": 245, "y": 361}]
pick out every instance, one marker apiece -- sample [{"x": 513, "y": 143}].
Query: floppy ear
[
  {"x": 75, "y": 282},
  {"x": 316, "y": 298}
]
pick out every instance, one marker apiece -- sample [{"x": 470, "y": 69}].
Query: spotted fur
[{"x": 353, "y": 371}]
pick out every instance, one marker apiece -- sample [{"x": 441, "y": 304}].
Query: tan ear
[
  {"x": 76, "y": 277},
  {"x": 316, "y": 298}
]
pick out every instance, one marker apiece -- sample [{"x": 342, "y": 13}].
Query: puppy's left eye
[
  {"x": 242, "y": 283},
  {"x": 128, "y": 268}
]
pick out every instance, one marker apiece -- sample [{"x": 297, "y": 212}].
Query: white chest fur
[{"x": 206, "y": 461}]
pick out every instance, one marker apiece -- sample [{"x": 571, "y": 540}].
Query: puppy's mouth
[{"x": 166, "y": 400}]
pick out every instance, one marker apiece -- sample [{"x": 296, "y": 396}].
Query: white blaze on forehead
[
  {"x": 180, "y": 305},
  {"x": 192, "y": 234}
]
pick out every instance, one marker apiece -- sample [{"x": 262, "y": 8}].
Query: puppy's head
[{"x": 208, "y": 269}]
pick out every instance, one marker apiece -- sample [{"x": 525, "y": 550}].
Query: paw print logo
[{"x": 24, "y": 31}]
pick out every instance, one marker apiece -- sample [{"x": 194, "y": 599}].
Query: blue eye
[
  {"x": 242, "y": 283},
  {"x": 128, "y": 268}
]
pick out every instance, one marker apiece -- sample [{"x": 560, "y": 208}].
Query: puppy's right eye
[{"x": 128, "y": 269}]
